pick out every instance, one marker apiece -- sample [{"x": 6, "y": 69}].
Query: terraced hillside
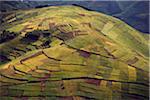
[{"x": 69, "y": 53}]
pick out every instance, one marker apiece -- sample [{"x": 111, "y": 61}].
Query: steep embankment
[{"x": 69, "y": 53}]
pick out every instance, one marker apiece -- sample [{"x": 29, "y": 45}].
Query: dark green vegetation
[
  {"x": 70, "y": 53},
  {"x": 6, "y": 36}
]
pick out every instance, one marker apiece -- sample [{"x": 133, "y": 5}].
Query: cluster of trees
[
  {"x": 35, "y": 35},
  {"x": 6, "y": 36}
]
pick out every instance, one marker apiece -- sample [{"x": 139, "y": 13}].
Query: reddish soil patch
[
  {"x": 82, "y": 14},
  {"x": 93, "y": 81},
  {"x": 66, "y": 98},
  {"x": 84, "y": 54}
]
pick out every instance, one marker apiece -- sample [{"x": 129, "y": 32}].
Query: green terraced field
[{"x": 69, "y": 53}]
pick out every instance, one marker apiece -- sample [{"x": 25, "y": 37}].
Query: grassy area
[{"x": 71, "y": 53}]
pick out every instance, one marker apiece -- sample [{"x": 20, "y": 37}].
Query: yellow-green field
[{"x": 69, "y": 53}]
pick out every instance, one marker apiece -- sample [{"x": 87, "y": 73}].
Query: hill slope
[
  {"x": 135, "y": 13},
  {"x": 67, "y": 52}
]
